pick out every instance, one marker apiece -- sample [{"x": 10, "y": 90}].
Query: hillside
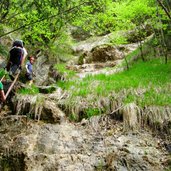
[{"x": 101, "y": 93}]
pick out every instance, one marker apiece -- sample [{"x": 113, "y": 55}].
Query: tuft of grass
[
  {"x": 92, "y": 112},
  {"x": 33, "y": 90}
]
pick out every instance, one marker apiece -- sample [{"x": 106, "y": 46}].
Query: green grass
[
  {"x": 92, "y": 112},
  {"x": 3, "y": 72},
  {"x": 61, "y": 68},
  {"x": 33, "y": 90},
  {"x": 154, "y": 76}
]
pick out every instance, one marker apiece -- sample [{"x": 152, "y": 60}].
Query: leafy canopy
[{"x": 42, "y": 22}]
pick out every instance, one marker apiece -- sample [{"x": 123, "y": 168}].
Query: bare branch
[{"x": 164, "y": 8}]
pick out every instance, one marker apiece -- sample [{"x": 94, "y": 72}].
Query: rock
[
  {"x": 105, "y": 53},
  {"x": 41, "y": 70},
  {"x": 33, "y": 146},
  {"x": 38, "y": 107},
  {"x": 51, "y": 113}
]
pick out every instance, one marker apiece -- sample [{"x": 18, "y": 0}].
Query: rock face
[
  {"x": 97, "y": 144},
  {"x": 41, "y": 69},
  {"x": 105, "y": 53}
]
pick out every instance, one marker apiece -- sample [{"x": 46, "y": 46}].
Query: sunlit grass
[{"x": 154, "y": 76}]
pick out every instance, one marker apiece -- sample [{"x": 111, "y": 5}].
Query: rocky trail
[
  {"x": 96, "y": 144},
  {"x": 36, "y": 133}
]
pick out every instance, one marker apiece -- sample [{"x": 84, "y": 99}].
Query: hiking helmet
[{"x": 18, "y": 43}]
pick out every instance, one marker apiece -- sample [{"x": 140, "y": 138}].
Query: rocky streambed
[{"x": 98, "y": 144}]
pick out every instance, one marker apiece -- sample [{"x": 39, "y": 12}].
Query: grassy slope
[{"x": 145, "y": 83}]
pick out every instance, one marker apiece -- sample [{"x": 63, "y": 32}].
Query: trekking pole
[
  {"x": 11, "y": 86},
  {"x": 2, "y": 78}
]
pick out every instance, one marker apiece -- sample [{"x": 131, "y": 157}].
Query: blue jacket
[{"x": 29, "y": 67}]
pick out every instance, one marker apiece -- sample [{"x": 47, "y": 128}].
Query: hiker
[
  {"x": 17, "y": 56},
  {"x": 2, "y": 94},
  {"x": 29, "y": 70}
]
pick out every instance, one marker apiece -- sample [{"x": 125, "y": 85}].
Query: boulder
[
  {"x": 105, "y": 53},
  {"x": 38, "y": 107}
]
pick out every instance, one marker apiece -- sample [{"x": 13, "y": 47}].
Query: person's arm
[
  {"x": 2, "y": 94},
  {"x": 27, "y": 68},
  {"x": 25, "y": 52}
]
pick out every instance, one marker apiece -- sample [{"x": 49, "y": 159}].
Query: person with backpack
[
  {"x": 17, "y": 56},
  {"x": 29, "y": 70}
]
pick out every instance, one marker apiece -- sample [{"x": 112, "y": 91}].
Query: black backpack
[{"x": 16, "y": 54}]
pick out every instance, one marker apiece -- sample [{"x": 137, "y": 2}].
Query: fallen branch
[{"x": 116, "y": 110}]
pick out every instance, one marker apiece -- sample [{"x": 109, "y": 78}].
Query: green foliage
[
  {"x": 92, "y": 112},
  {"x": 46, "y": 24},
  {"x": 42, "y": 22},
  {"x": 66, "y": 73},
  {"x": 3, "y": 72},
  {"x": 33, "y": 90},
  {"x": 129, "y": 13},
  {"x": 118, "y": 39},
  {"x": 61, "y": 49}
]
